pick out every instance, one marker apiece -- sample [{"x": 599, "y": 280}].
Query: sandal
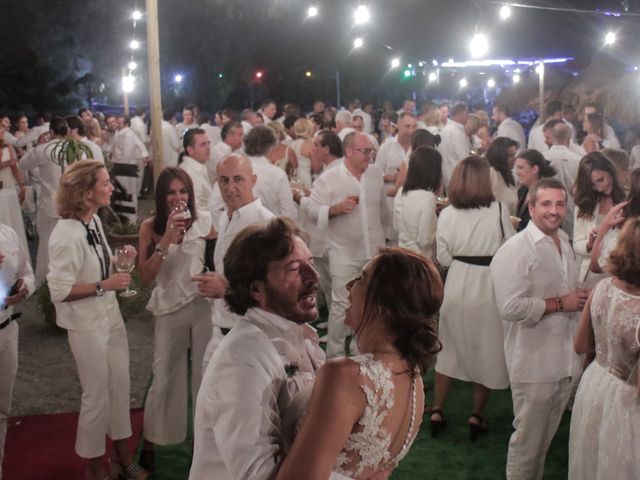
[
  {"x": 130, "y": 472},
  {"x": 436, "y": 425},
  {"x": 476, "y": 429}
]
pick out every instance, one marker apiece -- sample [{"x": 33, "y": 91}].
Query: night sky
[{"x": 201, "y": 39}]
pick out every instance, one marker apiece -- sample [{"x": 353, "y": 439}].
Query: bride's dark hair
[{"x": 405, "y": 292}]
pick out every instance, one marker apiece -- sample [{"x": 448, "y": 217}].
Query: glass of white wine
[
  {"x": 125, "y": 262},
  {"x": 182, "y": 213}
]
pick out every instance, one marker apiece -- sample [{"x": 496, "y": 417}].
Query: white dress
[
  {"x": 414, "y": 216},
  {"x": 605, "y": 421},
  {"x": 304, "y": 163},
  {"x": 470, "y": 329}
]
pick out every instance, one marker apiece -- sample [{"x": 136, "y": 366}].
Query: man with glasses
[{"x": 350, "y": 202}]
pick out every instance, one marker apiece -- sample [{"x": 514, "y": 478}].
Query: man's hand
[
  {"x": 20, "y": 294},
  {"x": 210, "y": 285},
  {"x": 345, "y": 207},
  {"x": 575, "y": 301}
]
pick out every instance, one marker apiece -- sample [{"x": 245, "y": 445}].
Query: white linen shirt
[
  {"x": 202, "y": 188},
  {"x": 455, "y": 146},
  {"x": 415, "y": 216},
  {"x": 527, "y": 269},
  {"x": 272, "y": 187},
  {"x": 218, "y": 152},
  {"x": 357, "y": 235},
  {"x": 246, "y": 388},
  {"x": 565, "y": 162},
  {"x": 15, "y": 266},
  {"x": 96, "y": 151},
  {"x": 72, "y": 261},
  {"x": 228, "y": 228},
  {"x": 170, "y": 145},
  {"x": 511, "y": 129},
  {"x": 127, "y": 147},
  {"x": 49, "y": 173}
]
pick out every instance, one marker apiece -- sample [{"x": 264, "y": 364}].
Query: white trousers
[
  {"x": 538, "y": 409},
  {"x": 343, "y": 270},
  {"x": 102, "y": 358},
  {"x": 45, "y": 225},
  {"x": 130, "y": 184},
  {"x": 165, "y": 411},
  {"x": 8, "y": 369},
  {"x": 321, "y": 264}
]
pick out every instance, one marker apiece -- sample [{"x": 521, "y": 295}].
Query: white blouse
[{"x": 416, "y": 220}]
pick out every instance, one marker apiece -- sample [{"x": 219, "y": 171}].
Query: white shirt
[
  {"x": 272, "y": 187},
  {"x": 15, "y": 266},
  {"x": 181, "y": 128},
  {"x": 139, "y": 128},
  {"x": 566, "y": 164},
  {"x": 228, "y": 228},
  {"x": 390, "y": 157},
  {"x": 170, "y": 145},
  {"x": 246, "y": 389},
  {"x": 366, "y": 119},
  {"x": 536, "y": 139},
  {"x": 513, "y": 130},
  {"x": 96, "y": 151},
  {"x": 72, "y": 260},
  {"x": 344, "y": 132},
  {"x": 127, "y": 147},
  {"x": 212, "y": 132},
  {"x": 416, "y": 220},
  {"x": 610, "y": 136},
  {"x": 527, "y": 269},
  {"x": 246, "y": 127},
  {"x": 455, "y": 146},
  {"x": 217, "y": 153},
  {"x": 202, "y": 187},
  {"x": 49, "y": 173},
  {"x": 357, "y": 235},
  {"x": 507, "y": 194},
  {"x": 28, "y": 138}
]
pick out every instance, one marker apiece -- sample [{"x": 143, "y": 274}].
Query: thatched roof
[{"x": 525, "y": 95}]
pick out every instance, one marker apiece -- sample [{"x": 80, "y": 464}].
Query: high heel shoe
[
  {"x": 130, "y": 472},
  {"x": 436, "y": 425},
  {"x": 477, "y": 429}
]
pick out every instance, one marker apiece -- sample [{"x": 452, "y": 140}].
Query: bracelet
[
  {"x": 560, "y": 304},
  {"x": 161, "y": 253}
]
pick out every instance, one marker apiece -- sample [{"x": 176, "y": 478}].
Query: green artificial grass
[{"x": 450, "y": 456}]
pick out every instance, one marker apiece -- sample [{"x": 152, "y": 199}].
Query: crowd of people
[{"x": 439, "y": 236}]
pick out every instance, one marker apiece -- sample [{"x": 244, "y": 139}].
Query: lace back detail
[{"x": 367, "y": 447}]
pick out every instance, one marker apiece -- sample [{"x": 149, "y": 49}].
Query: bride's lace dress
[
  {"x": 367, "y": 449},
  {"x": 605, "y": 423}
]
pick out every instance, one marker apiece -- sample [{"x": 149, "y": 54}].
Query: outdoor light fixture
[
  {"x": 610, "y": 38},
  {"x": 540, "y": 69},
  {"x": 463, "y": 83},
  {"x": 128, "y": 83},
  {"x": 133, "y": 65},
  {"x": 220, "y": 75},
  {"x": 259, "y": 75},
  {"x": 516, "y": 79},
  {"x": 312, "y": 12},
  {"x": 308, "y": 74},
  {"x": 491, "y": 83},
  {"x": 361, "y": 15},
  {"x": 434, "y": 62},
  {"x": 134, "y": 45},
  {"x": 395, "y": 63},
  {"x": 505, "y": 12},
  {"x": 432, "y": 77},
  {"x": 358, "y": 42},
  {"x": 479, "y": 45},
  {"x": 407, "y": 73},
  {"x": 178, "y": 78},
  {"x": 136, "y": 15}
]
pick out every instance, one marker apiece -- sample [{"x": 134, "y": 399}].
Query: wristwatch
[
  {"x": 162, "y": 253},
  {"x": 99, "y": 290}
]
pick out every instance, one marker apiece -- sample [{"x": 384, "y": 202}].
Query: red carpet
[{"x": 41, "y": 447}]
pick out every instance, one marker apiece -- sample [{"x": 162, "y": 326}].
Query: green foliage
[{"x": 65, "y": 152}]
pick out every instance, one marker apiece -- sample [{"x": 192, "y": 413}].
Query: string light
[
  {"x": 463, "y": 83},
  {"x": 178, "y": 78},
  {"x": 358, "y": 42},
  {"x": 132, "y": 65},
  {"x": 128, "y": 83},
  {"x": 134, "y": 45},
  {"x": 479, "y": 45},
  {"x": 505, "y": 12},
  {"x": 308, "y": 74},
  {"x": 516, "y": 79},
  {"x": 432, "y": 77},
  {"x": 610, "y": 38},
  {"x": 136, "y": 15},
  {"x": 491, "y": 83},
  {"x": 395, "y": 63},
  {"x": 312, "y": 12},
  {"x": 361, "y": 15}
]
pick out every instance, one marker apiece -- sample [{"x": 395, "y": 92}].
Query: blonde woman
[
  {"x": 83, "y": 290},
  {"x": 302, "y": 146},
  {"x": 280, "y": 155}
]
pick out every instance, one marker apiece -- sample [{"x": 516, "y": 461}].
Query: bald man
[{"x": 235, "y": 179}]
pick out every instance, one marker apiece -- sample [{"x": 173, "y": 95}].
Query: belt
[
  {"x": 13, "y": 317},
  {"x": 479, "y": 261}
]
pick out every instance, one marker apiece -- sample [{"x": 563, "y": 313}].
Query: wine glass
[
  {"x": 182, "y": 213},
  {"x": 125, "y": 261}
]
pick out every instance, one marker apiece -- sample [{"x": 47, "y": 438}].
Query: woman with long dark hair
[
  {"x": 531, "y": 166},
  {"x": 172, "y": 245},
  {"x": 502, "y": 156},
  {"x": 595, "y": 192}
]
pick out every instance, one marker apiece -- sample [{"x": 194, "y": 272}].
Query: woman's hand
[
  {"x": 117, "y": 281},
  {"x": 175, "y": 229},
  {"x": 591, "y": 238}
]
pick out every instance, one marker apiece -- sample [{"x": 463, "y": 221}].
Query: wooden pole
[
  {"x": 155, "y": 94},
  {"x": 541, "y": 92},
  {"x": 126, "y": 95}
]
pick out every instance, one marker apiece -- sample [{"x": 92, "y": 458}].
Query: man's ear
[{"x": 257, "y": 291}]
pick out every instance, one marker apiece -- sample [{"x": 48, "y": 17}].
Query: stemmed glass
[
  {"x": 125, "y": 262},
  {"x": 182, "y": 213}
]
